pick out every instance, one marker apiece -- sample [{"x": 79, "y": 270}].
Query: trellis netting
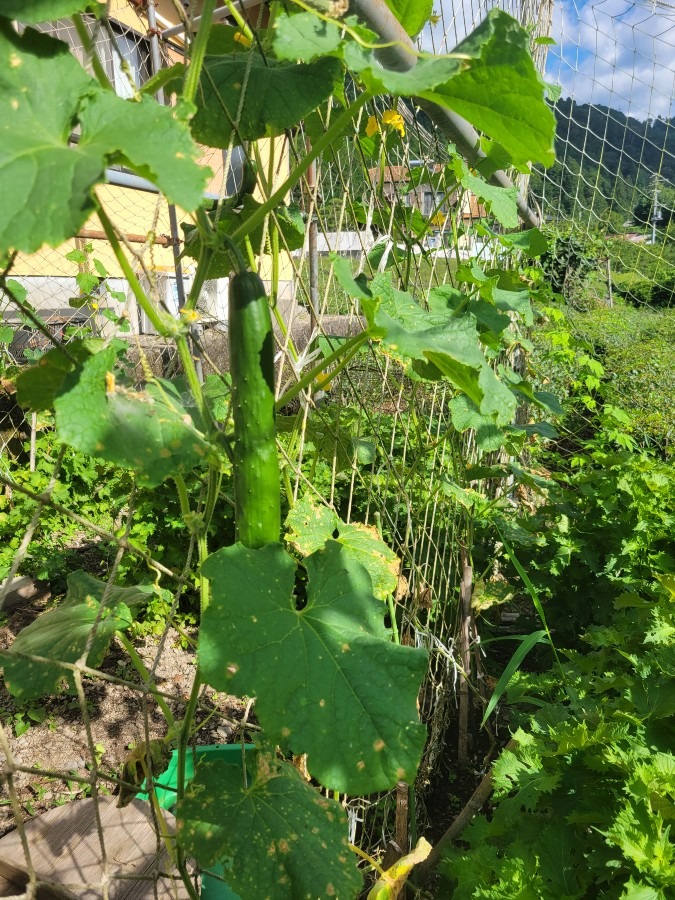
[
  {"x": 614, "y": 179},
  {"x": 371, "y": 445}
]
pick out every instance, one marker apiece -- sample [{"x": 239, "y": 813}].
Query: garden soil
[{"x": 55, "y": 739}]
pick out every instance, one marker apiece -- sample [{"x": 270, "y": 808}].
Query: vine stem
[
  {"x": 198, "y": 51},
  {"x": 144, "y": 301},
  {"x": 90, "y": 50},
  {"x": 140, "y": 667},
  {"x": 188, "y": 364},
  {"x": 343, "y": 353},
  {"x": 323, "y": 143}
]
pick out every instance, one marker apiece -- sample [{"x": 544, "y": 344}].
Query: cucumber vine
[{"x": 329, "y": 681}]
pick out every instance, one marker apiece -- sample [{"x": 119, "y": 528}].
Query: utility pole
[{"x": 656, "y": 208}]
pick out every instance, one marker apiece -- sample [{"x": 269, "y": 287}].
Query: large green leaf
[
  {"x": 304, "y": 36},
  {"x": 64, "y": 633},
  {"x": 38, "y": 385},
  {"x": 412, "y": 14},
  {"x": 501, "y": 200},
  {"x": 46, "y": 184},
  {"x": 436, "y": 342},
  {"x": 149, "y": 139},
  {"x": 499, "y": 90},
  {"x": 465, "y": 416},
  {"x": 348, "y": 695},
  {"x": 278, "y": 837},
  {"x": 257, "y": 97},
  {"x": 311, "y": 526},
  {"x": 149, "y": 432},
  {"x": 32, "y": 11}
]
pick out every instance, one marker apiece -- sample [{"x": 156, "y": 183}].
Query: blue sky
[{"x": 617, "y": 53}]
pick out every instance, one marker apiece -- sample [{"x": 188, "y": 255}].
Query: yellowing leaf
[{"x": 389, "y": 886}]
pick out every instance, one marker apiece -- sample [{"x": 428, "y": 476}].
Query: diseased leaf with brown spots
[
  {"x": 310, "y": 526},
  {"x": 278, "y": 837},
  {"x": 348, "y": 695},
  {"x": 147, "y": 431}
]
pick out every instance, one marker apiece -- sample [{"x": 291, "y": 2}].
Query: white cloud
[
  {"x": 616, "y": 53},
  {"x": 612, "y": 52}
]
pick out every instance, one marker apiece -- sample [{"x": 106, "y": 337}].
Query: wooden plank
[
  {"x": 66, "y": 849},
  {"x": 18, "y": 877}
]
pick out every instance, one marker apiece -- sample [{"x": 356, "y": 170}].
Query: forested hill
[{"x": 616, "y": 154}]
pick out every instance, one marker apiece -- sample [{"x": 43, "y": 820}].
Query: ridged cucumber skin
[{"x": 256, "y": 463}]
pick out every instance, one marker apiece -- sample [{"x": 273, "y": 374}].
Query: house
[
  {"x": 140, "y": 37},
  {"x": 428, "y": 199}
]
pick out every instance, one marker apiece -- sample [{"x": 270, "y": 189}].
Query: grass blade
[{"x": 522, "y": 650}]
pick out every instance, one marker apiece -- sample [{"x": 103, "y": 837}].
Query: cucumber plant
[{"x": 306, "y": 637}]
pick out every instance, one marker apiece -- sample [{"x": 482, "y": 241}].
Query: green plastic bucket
[{"x": 165, "y": 788}]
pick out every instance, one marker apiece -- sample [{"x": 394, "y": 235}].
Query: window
[{"x": 124, "y": 53}]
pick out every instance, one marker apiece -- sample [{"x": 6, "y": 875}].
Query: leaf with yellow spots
[
  {"x": 87, "y": 618},
  {"x": 147, "y": 431},
  {"x": 45, "y": 94},
  {"x": 278, "y": 837},
  {"x": 390, "y": 884},
  {"x": 310, "y": 526},
  {"x": 348, "y": 695}
]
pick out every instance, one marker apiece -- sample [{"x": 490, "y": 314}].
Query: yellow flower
[
  {"x": 189, "y": 315},
  {"x": 391, "y": 117},
  {"x": 372, "y": 127},
  {"x": 242, "y": 39},
  {"x": 438, "y": 220}
]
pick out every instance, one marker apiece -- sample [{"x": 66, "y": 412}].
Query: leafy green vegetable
[
  {"x": 46, "y": 184},
  {"x": 501, "y": 200},
  {"x": 348, "y": 695},
  {"x": 253, "y": 97},
  {"x": 438, "y": 344},
  {"x": 304, "y": 36},
  {"x": 500, "y": 91},
  {"x": 38, "y": 385}
]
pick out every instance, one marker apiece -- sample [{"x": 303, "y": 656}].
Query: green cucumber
[{"x": 256, "y": 464}]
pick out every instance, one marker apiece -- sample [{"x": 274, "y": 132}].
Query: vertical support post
[
  {"x": 156, "y": 65},
  {"x": 609, "y": 283},
  {"x": 465, "y": 591},
  {"x": 33, "y": 440},
  {"x": 312, "y": 246}
]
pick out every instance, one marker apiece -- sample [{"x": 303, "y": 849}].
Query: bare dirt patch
[{"x": 49, "y": 737}]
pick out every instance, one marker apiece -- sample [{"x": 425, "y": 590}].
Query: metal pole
[
  {"x": 312, "y": 247},
  {"x": 401, "y": 56},
  {"x": 156, "y": 65},
  {"x": 196, "y": 331}
]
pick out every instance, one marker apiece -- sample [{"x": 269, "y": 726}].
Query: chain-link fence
[{"x": 613, "y": 181}]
